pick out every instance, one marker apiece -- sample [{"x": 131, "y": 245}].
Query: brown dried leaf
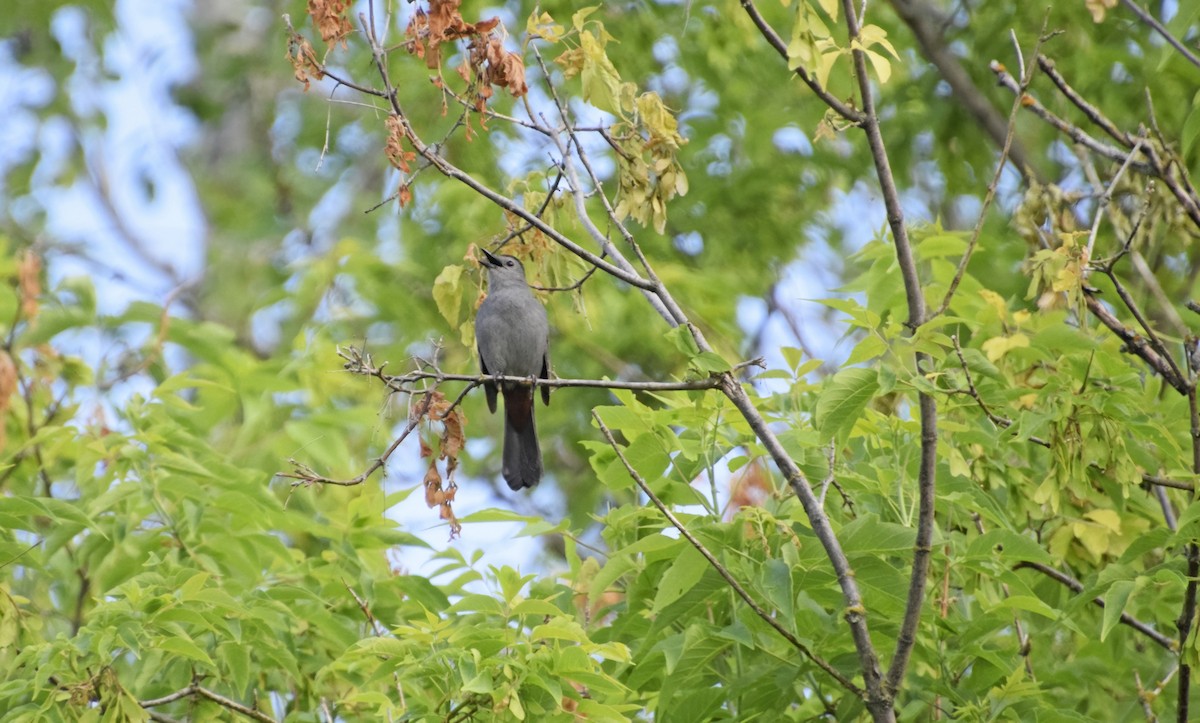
[
  {"x": 447, "y": 513},
  {"x": 464, "y": 71},
  {"x": 329, "y": 19},
  {"x": 304, "y": 60},
  {"x": 433, "y": 485},
  {"x": 514, "y": 72},
  {"x": 442, "y": 23},
  {"x": 483, "y": 27},
  {"x": 394, "y": 148}
]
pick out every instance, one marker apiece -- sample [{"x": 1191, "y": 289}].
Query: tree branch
[
  {"x": 1071, "y": 131},
  {"x": 914, "y": 295},
  {"x": 1167, "y": 169},
  {"x": 202, "y": 692},
  {"x": 1187, "y": 614},
  {"x": 1135, "y": 343},
  {"x": 1161, "y": 29},
  {"x": 1007, "y": 146},
  {"x": 851, "y": 114},
  {"x": 1077, "y": 586},
  {"x": 741, "y": 592},
  {"x": 855, "y": 612},
  {"x": 359, "y": 362},
  {"x": 922, "y": 20},
  {"x": 451, "y": 171},
  {"x": 577, "y": 192}
]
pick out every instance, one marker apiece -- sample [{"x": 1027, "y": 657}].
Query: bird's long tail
[{"x": 522, "y": 453}]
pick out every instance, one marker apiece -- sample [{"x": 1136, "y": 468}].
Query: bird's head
[{"x": 502, "y": 269}]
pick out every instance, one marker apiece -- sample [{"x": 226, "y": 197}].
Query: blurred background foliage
[{"x": 204, "y": 233}]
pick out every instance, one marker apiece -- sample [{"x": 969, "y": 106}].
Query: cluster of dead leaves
[
  {"x": 487, "y": 63},
  {"x": 436, "y": 408},
  {"x": 329, "y": 18},
  {"x": 398, "y": 155},
  {"x": 304, "y": 61}
]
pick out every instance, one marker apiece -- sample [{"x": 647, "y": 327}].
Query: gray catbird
[{"x": 511, "y": 332}]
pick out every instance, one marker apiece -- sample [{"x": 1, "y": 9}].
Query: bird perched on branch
[{"x": 511, "y": 333}]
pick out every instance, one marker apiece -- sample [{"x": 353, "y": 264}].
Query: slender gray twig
[
  {"x": 199, "y": 691},
  {"x": 1161, "y": 29},
  {"x": 1126, "y": 618},
  {"x": 1010, "y": 130}
]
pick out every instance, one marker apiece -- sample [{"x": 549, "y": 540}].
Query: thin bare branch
[
  {"x": 1005, "y": 150},
  {"x": 1106, "y": 198},
  {"x": 1157, "y": 481},
  {"x": 306, "y": 476},
  {"x": 1187, "y": 613},
  {"x": 1161, "y": 29},
  {"x": 380, "y": 631},
  {"x": 1071, "y": 131},
  {"x": 1136, "y": 344},
  {"x": 1126, "y": 618},
  {"x": 1094, "y": 114},
  {"x": 855, "y": 611},
  {"x": 1160, "y": 161},
  {"x": 1002, "y": 422},
  {"x": 578, "y": 195},
  {"x": 197, "y": 690}
]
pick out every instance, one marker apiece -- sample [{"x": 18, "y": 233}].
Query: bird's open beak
[{"x": 490, "y": 258}]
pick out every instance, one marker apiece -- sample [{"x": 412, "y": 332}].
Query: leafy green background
[{"x": 147, "y": 545}]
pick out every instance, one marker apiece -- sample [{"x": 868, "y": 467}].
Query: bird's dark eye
[{"x": 509, "y": 264}]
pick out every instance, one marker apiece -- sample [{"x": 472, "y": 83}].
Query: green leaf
[
  {"x": 424, "y": 592},
  {"x": 184, "y": 646},
  {"x": 1008, "y": 548},
  {"x": 1115, "y": 602},
  {"x": 710, "y": 363},
  {"x": 448, "y": 294},
  {"x": 681, "y": 577},
  {"x": 1028, "y": 603},
  {"x": 189, "y": 589},
  {"x": 777, "y": 584},
  {"x": 560, "y": 629},
  {"x": 843, "y": 400},
  {"x": 682, "y": 340}
]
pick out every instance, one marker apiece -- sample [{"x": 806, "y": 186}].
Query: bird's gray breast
[{"x": 511, "y": 331}]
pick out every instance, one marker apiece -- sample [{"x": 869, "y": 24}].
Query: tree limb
[
  {"x": 914, "y": 295},
  {"x": 197, "y": 690},
  {"x": 741, "y": 592},
  {"x": 1161, "y": 29},
  {"x": 1126, "y": 618}
]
